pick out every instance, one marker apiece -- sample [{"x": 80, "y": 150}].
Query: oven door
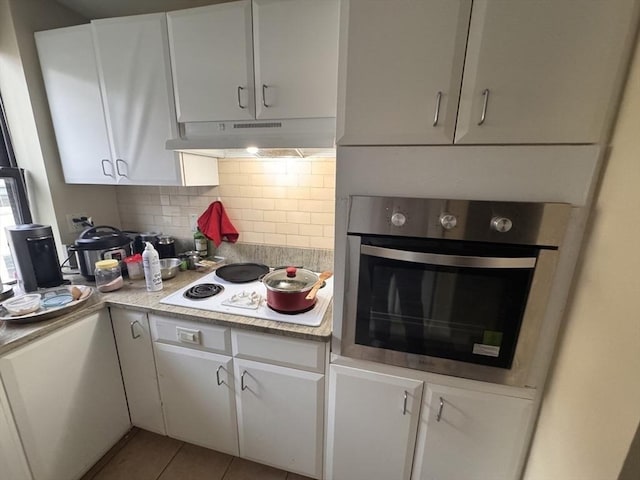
[{"x": 445, "y": 306}]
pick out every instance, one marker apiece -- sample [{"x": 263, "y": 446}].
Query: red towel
[{"x": 216, "y": 226}]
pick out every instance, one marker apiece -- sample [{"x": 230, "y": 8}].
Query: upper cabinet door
[
  {"x": 212, "y": 62},
  {"x": 71, "y": 79},
  {"x": 543, "y": 71},
  {"x": 400, "y": 71},
  {"x": 134, "y": 68},
  {"x": 296, "y": 58}
]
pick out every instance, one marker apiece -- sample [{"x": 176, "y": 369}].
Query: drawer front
[
  {"x": 288, "y": 352},
  {"x": 196, "y": 335}
]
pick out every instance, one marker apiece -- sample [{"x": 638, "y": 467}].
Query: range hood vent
[{"x": 280, "y": 134}]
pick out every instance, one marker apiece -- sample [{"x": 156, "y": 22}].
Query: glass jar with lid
[{"x": 108, "y": 275}]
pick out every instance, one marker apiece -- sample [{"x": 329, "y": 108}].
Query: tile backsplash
[{"x": 283, "y": 202}]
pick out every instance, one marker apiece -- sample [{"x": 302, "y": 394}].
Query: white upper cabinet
[
  {"x": 295, "y": 48},
  {"x": 539, "y": 72},
  {"x": 110, "y": 94},
  {"x": 292, "y": 43},
  {"x": 133, "y": 63},
  {"x": 70, "y": 73},
  {"x": 212, "y": 62},
  {"x": 401, "y": 69},
  {"x": 546, "y": 70}
]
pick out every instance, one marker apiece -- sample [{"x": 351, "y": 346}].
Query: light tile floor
[{"x": 143, "y": 455}]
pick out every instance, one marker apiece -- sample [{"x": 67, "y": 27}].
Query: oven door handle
[{"x": 448, "y": 260}]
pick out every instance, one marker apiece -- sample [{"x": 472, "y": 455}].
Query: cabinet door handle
[
  {"x": 118, "y": 160},
  {"x": 243, "y": 387},
  {"x": 264, "y": 95},
  {"x": 439, "y": 416},
  {"x": 436, "y": 116},
  {"x": 104, "y": 172},
  {"x": 220, "y": 382},
  {"x": 404, "y": 405},
  {"x": 239, "y": 100},
  {"x": 485, "y": 102},
  {"x": 133, "y": 332}
]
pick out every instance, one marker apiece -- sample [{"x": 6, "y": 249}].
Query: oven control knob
[
  {"x": 448, "y": 221},
  {"x": 501, "y": 224},
  {"x": 398, "y": 219}
]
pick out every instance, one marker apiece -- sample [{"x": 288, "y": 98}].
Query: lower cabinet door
[
  {"x": 135, "y": 351},
  {"x": 13, "y": 464},
  {"x": 66, "y": 394},
  {"x": 280, "y": 416},
  {"x": 471, "y": 435},
  {"x": 371, "y": 425},
  {"x": 198, "y": 397}
]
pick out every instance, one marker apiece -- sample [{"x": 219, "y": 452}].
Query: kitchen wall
[
  {"x": 30, "y": 121},
  {"x": 591, "y": 407},
  {"x": 285, "y": 202}
]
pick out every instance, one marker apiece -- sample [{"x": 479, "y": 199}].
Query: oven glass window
[{"x": 465, "y": 313}]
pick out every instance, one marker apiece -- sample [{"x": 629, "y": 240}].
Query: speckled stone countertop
[{"x": 133, "y": 295}]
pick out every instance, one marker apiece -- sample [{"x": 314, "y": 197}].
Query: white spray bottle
[{"x": 151, "y": 264}]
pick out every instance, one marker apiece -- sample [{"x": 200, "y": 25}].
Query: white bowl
[{"x": 23, "y": 304}]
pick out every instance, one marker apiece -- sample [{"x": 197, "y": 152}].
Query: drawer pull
[
  {"x": 485, "y": 94},
  {"x": 436, "y": 116},
  {"x": 133, "y": 332},
  {"x": 220, "y": 382},
  {"x": 439, "y": 416},
  {"x": 404, "y": 406},
  {"x": 243, "y": 387}
]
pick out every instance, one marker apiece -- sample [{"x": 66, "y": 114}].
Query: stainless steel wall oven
[{"x": 449, "y": 286}]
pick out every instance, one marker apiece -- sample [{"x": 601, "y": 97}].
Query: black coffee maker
[{"x": 34, "y": 254}]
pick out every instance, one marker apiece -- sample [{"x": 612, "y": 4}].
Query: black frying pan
[{"x": 242, "y": 272}]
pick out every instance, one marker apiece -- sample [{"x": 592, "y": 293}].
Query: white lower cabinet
[
  {"x": 257, "y": 396},
  {"x": 372, "y": 420},
  {"x": 133, "y": 340},
  {"x": 470, "y": 434},
  {"x": 67, "y": 398},
  {"x": 280, "y": 416},
  {"x": 13, "y": 464},
  {"x": 198, "y": 397},
  {"x": 463, "y": 431}
]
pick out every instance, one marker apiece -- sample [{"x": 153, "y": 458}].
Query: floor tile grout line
[
  {"x": 228, "y": 467},
  {"x": 182, "y": 444}
]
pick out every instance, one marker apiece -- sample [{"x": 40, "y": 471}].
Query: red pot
[{"x": 287, "y": 289}]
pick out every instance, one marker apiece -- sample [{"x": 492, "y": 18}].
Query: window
[{"x": 14, "y": 205}]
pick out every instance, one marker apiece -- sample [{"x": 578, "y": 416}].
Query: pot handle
[{"x": 95, "y": 230}]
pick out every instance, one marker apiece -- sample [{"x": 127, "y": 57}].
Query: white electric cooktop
[{"x": 249, "y": 300}]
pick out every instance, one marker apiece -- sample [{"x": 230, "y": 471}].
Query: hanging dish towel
[{"x": 216, "y": 226}]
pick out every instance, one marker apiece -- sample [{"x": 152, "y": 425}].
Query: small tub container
[
  {"x": 108, "y": 275},
  {"x": 134, "y": 266}
]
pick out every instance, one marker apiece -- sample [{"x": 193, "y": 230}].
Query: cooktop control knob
[
  {"x": 398, "y": 219},
  {"x": 501, "y": 224},
  {"x": 448, "y": 221}
]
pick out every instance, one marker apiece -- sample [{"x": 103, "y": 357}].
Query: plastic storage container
[
  {"x": 134, "y": 266},
  {"x": 108, "y": 275}
]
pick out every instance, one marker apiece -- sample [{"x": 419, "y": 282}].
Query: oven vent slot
[{"x": 258, "y": 125}]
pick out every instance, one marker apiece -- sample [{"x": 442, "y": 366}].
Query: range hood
[{"x": 281, "y": 134}]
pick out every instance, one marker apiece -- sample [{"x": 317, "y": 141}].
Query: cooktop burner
[{"x": 203, "y": 290}]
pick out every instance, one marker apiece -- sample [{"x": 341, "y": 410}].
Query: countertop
[{"x": 134, "y": 296}]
